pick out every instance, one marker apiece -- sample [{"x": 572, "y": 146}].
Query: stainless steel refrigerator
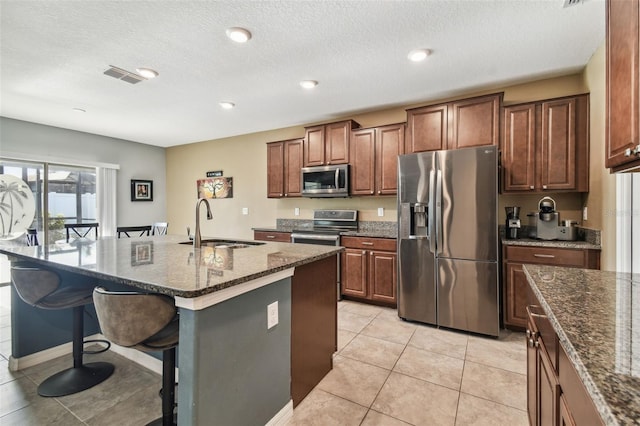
[{"x": 448, "y": 239}]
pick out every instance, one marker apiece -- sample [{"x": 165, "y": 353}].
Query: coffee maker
[
  {"x": 547, "y": 219},
  {"x": 513, "y": 222}
]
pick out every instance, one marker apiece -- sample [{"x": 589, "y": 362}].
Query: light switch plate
[
  {"x": 296, "y": 211},
  {"x": 272, "y": 315},
  {"x": 584, "y": 213},
  {"x": 380, "y": 211},
  {"x": 245, "y": 210}
]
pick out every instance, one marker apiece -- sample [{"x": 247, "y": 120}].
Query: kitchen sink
[{"x": 232, "y": 244}]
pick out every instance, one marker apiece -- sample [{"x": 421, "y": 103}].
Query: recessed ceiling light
[
  {"x": 227, "y": 105},
  {"x": 79, "y": 110},
  {"x": 239, "y": 35},
  {"x": 418, "y": 55},
  {"x": 147, "y": 73},
  {"x": 308, "y": 84}
]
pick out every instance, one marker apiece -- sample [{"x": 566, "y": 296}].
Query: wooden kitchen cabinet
[
  {"x": 622, "y": 85},
  {"x": 374, "y": 159},
  {"x": 515, "y": 281},
  {"x": 328, "y": 144},
  {"x": 463, "y": 123},
  {"x": 284, "y": 162},
  {"x": 283, "y": 237},
  {"x": 545, "y": 146},
  {"x": 369, "y": 269}
]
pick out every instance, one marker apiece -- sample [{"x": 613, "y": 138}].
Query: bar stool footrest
[{"x": 97, "y": 351}]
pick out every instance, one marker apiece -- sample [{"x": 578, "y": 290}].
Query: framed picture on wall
[{"x": 141, "y": 190}]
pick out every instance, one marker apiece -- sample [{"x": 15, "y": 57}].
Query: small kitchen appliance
[
  {"x": 547, "y": 219},
  {"x": 513, "y": 222}
]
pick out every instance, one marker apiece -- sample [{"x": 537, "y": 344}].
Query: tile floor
[{"x": 386, "y": 372}]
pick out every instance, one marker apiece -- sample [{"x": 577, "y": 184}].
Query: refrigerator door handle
[
  {"x": 430, "y": 212},
  {"x": 438, "y": 212}
]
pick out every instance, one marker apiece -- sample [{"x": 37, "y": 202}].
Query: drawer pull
[
  {"x": 366, "y": 243},
  {"x": 271, "y": 236},
  {"x": 546, "y": 256}
]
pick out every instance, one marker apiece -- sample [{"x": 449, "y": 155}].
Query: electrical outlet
[
  {"x": 296, "y": 211},
  {"x": 245, "y": 210},
  {"x": 272, "y": 315},
  {"x": 380, "y": 211},
  {"x": 584, "y": 213}
]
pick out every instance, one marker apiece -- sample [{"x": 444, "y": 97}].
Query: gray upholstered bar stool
[
  {"x": 147, "y": 322},
  {"x": 41, "y": 288}
]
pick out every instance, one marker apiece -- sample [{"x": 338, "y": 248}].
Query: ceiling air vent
[
  {"x": 124, "y": 75},
  {"x": 568, "y": 3}
]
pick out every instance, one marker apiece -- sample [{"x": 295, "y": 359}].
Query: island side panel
[
  {"x": 313, "y": 325},
  {"x": 233, "y": 370}
]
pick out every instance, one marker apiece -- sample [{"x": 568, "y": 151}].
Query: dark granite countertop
[
  {"x": 160, "y": 264},
  {"x": 593, "y": 314},
  {"x": 550, "y": 243}
]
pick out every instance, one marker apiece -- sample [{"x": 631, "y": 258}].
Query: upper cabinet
[
  {"x": 460, "y": 124},
  {"x": 623, "y": 109},
  {"x": 284, "y": 161},
  {"x": 328, "y": 144},
  {"x": 545, "y": 146},
  {"x": 374, "y": 159}
]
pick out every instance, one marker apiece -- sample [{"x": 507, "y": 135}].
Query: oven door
[{"x": 324, "y": 240}]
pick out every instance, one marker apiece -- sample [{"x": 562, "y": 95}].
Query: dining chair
[
  {"x": 32, "y": 237},
  {"x": 127, "y": 230},
  {"x": 81, "y": 230},
  {"x": 159, "y": 228}
]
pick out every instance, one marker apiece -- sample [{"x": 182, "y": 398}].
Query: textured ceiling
[{"x": 53, "y": 55}]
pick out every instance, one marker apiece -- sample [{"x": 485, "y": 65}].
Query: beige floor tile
[
  {"x": 140, "y": 408},
  {"x": 431, "y": 367},
  {"x": 352, "y": 322},
  {"x": 5, "y": 374},
  {"x": 373, "y": 418},
  {"x": 416, "y": 401},
  {"x": 508, "y": 352},
  {"x": 373, "y": 351},
  {"x": 473, "y": 411},
  {"x": 495, "y": 384},
  {"x": 386, "y": 328},
  {"x": 361, "y": 308},
  {"x": 344, "y": 337},
  {"x": 17, "y": 394},
  {"x": 41, "y": 411},
  {"x": 444, "y": 342},
  {"x": 320, "y": 408},
  {"x": 354, "y": 380}
]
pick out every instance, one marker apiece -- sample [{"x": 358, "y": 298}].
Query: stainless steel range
[{"x": 327, "y": 226}]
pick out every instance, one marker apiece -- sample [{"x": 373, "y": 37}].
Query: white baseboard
[
  {"x": 16, "y": 364},
  {"x": 282, "y": 416}
]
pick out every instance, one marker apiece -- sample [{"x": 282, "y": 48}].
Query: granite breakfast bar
[
  {"x": 232, "y": 368},
  {"x": 593, "y": 316}
]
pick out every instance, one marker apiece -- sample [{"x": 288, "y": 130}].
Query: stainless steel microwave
[{"x": 325, "y": 181}]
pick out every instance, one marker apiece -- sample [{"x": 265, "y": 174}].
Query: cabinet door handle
[
  {"x": 379, "y": 192},
  {"x": 364, "y": 252},
  {"x": 366, "y": 243},
  {"x": 546, "y": 256},
  {"x": 271, "y": 236},
  {"x": 531, "y": 187},
  {"x": 286, "y": 195},
  {"x": 635, "y": 151},
  {"x": 544, "y": 186},
  {"x": 531, "y": 344}
]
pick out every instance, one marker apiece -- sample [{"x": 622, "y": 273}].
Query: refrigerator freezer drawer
[{"x": 468, "y": 295}]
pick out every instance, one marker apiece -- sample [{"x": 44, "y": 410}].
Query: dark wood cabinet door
[
  {"x": 566, "y": 419},
  {"x": 516, "y": 294},
  {"x": 475, "y": 122},
  {"x": 275, "y": 169},
  {"x": 518, "y": 148},
  {"x": 427, "y": 129},
  {"x": 292, "y": 165},
  {"x": 622, "y": 97},
  {"x": 337, "y": 142},
  {"x": 558, "y": 145},
  {"x": 382, "y": 276},
  {"x": 549, "y": 389},
  {"x": 363, "y": 146},
  {"x": 532, "y": 374},
  {"x": 354, "y": 273},
  {"x": 389, "y": 144},
  {"x": 314, "y": 146}
]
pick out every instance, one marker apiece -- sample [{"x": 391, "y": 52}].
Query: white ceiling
[{"x": 53, "y": 55}]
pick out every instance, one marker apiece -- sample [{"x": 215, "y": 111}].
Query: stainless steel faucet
[{"x": 197, "y": 240}]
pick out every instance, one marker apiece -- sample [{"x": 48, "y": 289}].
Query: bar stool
[
  {"x": 32, "y": 237},
  {"x": 149, "y": 323},
  {"x": 41, "y": 288}
]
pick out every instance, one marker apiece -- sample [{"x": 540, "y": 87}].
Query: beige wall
[{"x": 244, "y": 158}]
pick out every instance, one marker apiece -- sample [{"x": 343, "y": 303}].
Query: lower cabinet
[
  {"x": 515, "y": 281},
  {"x": 369, "y": 268},
  {"x": 555, "y": 393}
]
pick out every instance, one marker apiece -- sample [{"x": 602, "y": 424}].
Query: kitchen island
[
  {"x": 592, "y": 315},
  {"x": 232, "y": 368}
]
